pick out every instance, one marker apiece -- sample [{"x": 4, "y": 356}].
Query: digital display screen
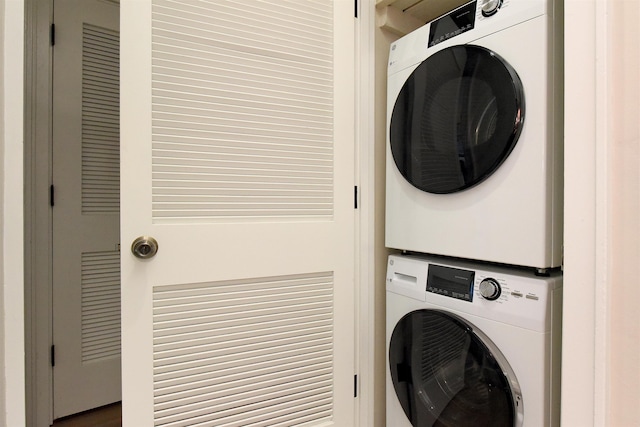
[
  {"x": 453, "y": 24},
  {"x": 451, "y": 282}
]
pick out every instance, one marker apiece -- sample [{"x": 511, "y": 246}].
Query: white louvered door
[
  {"x": 238, "y": 157},
  {"x": 86, "y": 260}
]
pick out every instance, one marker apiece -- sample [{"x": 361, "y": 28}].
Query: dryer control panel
[{"x": 457, "y": 22}]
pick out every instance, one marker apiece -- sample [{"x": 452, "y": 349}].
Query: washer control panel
[
  {"x": 452, "y": 282},
  {"x": 504, "y": 294}
]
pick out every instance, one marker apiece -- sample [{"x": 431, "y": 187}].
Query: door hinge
[
  {"x": 355, "y": 386},
  {"x": 355, "y": 4},
  {"x": 52, "y": 201},
  {"x": 53, "y": 355},
  {"x": 52, "y": 34},
  {"x": 355, "y": 197}
]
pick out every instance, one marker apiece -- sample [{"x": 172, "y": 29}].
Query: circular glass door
[
  {"x": 445, "y": 375},
  {"x": 456, "y": 119}
]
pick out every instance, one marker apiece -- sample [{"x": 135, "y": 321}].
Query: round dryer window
[
  {"x": 445, "y": 374},
  {"x": 456, "y": 119}
]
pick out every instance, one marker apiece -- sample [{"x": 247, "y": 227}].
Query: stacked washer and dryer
[{"x": 474, "y": 204}]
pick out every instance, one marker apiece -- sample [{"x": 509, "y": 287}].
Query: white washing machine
[
  {"x": 471, "y": 346},
  {"x": 474, "y": 142}
]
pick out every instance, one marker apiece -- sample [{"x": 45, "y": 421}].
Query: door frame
[
  {"x": 38, "y": 222},
  {"x": 12, "y": 320},
  {"x": 367, "y": 255}
]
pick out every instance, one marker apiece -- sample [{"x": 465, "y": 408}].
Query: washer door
[
  {"x": 456, "y": 119},
  {"x": 446, "y": 374}
]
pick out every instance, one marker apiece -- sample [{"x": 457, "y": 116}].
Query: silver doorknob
[{"x": 144, "y": 247}]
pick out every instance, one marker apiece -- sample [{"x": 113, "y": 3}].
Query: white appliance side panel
[
  {"x": 508, "y": 217},
  {"x": 555, "y": 356}
]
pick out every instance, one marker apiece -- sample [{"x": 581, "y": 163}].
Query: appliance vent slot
[
  {"x": 247, "y": 352},
  {"x": 100, "y": 120},
  {"x": 100, "y": 305},
  {"x": 242, "y": 111}
]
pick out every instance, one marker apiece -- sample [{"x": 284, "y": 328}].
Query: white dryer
[
  {"x": 474, "y": 142},
  {"x": 471, "y": 346}
]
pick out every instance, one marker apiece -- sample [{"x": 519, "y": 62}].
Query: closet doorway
[{"x": 85, "y": 199}]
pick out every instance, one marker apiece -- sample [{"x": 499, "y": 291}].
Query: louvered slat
[
  {"x": 100, "y": 305},
  {"x": 100, "y": 121},
  {"x": 248, "y": 134},
  {"x": 243, "y": 353}
]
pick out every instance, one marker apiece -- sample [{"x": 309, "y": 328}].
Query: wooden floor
[{"x": 107, "y": 416}]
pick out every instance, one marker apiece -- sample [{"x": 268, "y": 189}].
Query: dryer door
[
  {"x": 445, "y": 373},
  {"x": 456, "y": 119}
]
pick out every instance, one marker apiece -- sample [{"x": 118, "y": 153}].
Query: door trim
[
  {"x": 37, "y": 161},
  {"x": 12, "y": 97},
  {"x": 367, "y": 387}
]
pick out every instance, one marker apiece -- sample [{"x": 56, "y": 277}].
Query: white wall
[
  {"x": 623, "y": 58},
  {"x": 11, "y": 148},
  {"x": 601, "y": 339},
  {"x": 580, "y": 233}
]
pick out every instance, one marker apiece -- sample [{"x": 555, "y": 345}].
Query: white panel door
[
  {"x": 86, "y": 233},
  {"x": 237, "y": 129}
]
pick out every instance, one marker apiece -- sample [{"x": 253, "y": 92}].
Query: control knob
[
  {"x": 490, "y": 7},
  {"x": 490, "y": 289}
]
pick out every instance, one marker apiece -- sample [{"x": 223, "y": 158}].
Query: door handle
[{"x": 144, "y": 247}]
